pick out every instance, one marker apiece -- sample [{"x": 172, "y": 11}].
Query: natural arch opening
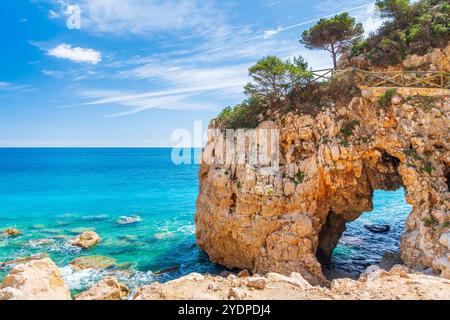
[
  {"x": 350, "y": 241},
  {"x": 359, "y": 247}
]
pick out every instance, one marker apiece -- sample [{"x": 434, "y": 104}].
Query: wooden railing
[
  {"x": 395, "y": 79},
  {"x": 416, "y": 79}
]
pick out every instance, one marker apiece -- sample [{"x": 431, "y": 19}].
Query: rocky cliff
[{"x": 290, "y": 219}]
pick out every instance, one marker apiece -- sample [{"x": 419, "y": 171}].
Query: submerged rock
[
  {"x": 34, "y": 280},
  {"x": 92, "y": 262},
  {"x": 172, "y": 269},
  {"x": 41, "y": 242},
  {"x": 378, "y": 228},
  {"x": 85, "y": 240},
  {"x": 108, "y": 288},
  {"x": 11, "y": 232},
  {"x": 129, "y": 220}
]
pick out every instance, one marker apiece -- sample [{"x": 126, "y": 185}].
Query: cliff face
[{"x": 290, "y": 220}]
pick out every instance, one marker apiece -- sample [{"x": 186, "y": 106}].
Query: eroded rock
[
  {"x": 108, "y": 288},
  {"x": 290, "y": 219},
  {"x": 34, "y": 280},
  {"x": 85, "y": 240},
  {"x": 11, "y": 232}
]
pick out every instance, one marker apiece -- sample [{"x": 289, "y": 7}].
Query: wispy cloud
[
  {"x": 76, "y": 54},
  {"x": 149, "y": 17},
  {"x": 11, "y": 87}
]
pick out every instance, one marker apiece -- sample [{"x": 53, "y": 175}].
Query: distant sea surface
[{"x": 57, "y": 193}]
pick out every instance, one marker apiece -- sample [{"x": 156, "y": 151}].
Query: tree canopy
[
  {"x": 393, "y": 8},
  {"x": 272, "y": 77},
  {"x": 334, "y": 35}
]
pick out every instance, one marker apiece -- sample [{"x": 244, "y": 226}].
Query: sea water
[{"x": 57, "y": 193}]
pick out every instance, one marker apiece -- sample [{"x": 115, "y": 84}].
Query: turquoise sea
[{"x": 57, "y": 193}]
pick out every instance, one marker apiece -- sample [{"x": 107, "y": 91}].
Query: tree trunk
[{"x": 334, "y": 55}]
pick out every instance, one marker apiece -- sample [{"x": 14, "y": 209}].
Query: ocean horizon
[{"x": 54, "y": 194}]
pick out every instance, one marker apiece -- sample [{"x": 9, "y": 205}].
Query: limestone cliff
[{"x": 290, "y": 220}]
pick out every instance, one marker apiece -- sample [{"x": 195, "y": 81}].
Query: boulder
[
  {"x": 377, "y": 228},
  {"x": 236, "y": 294},
  {"x": 257, "y": 283},
  {"x": 124, "y": 220},
  {"x": 108, "y": 288},
  {"x": 34, "y": 280},
  {"x": 11, "y": 232},
  {"x": 243, "y": 274},
  {"x": 85, "y": 240}
]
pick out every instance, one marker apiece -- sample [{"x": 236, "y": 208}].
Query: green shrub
[
  {"x": 348, "y": 128},
  {"x": 299, "y": 177},
  {"x": 413, "y": 28},
  {"x": 429, "y": 222},
  {"x": 427, "y": 167},
  {"x": 385, "y": 98}
]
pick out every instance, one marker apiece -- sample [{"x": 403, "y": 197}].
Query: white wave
[
  {"x": 84, "y": 279},
  {"x": 78, "y": 280},
  {"x": 187, "y": 230}
]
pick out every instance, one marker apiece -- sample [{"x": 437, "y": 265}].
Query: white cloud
[
  {"x": 76, "y": 54},
  {"x": 370, "y": 18},
  {"x": 11, "y": 87},
  {"x": 150, "y": 17}
]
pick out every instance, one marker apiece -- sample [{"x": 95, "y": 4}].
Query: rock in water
[
  {"x": 11, "y": 232},
  {"x": 92, "y": 262},
  {"x": 107, "y": 289},
  {"x": 129, "y": 220},
  {"x": 378, "y": 228},
  {"x": 35, "y": 280},
  {"x": 85, "y": 240}
]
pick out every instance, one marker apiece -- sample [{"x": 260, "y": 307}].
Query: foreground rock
[
  {"x": 378, "y": 285},
  {"x": 34, "y": 280},
  {"x": 11, "y": 232},
  {"x": 107, "y": 289},
  {"x": 38, "y": 256},
  {"x": 92, "y": 262},
  {"x": 85, "y": 240}
]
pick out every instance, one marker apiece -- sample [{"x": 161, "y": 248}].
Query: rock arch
[{"x": 263, "y": 222}]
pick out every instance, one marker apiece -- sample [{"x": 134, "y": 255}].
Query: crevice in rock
[
  {"x": 329, "y": 237},
  {"x": 447, "y": 177}
]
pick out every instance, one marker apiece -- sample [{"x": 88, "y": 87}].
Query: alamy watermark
[
  {"x": 72, "y": 12},
  {"x": 255, "y": 147}
]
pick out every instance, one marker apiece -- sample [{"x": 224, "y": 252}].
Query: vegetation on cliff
[
  {"x": 410, "y": 29},
  {"x": 335, "y": 35},
  {"x": 278, "y": 86}
]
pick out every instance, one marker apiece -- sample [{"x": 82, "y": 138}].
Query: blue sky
[{"x": 137, "y": 70}]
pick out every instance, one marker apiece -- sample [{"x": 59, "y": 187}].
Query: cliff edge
[{"x": 330, "y": 162}]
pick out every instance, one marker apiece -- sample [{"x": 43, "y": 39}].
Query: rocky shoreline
[{"x": 41, "y": 280}]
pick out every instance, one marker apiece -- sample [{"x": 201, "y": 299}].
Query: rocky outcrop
[
  {"x": 11, "y": 232},
  {"x": 35, "y": 280},
  {"x": 437, "y": 59},
  {"x": 290, "y": 219},
  {"x": 85, "y": 240},
  {"x": 107, "y": 289},
  {"x": 395, "y": 284}
]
